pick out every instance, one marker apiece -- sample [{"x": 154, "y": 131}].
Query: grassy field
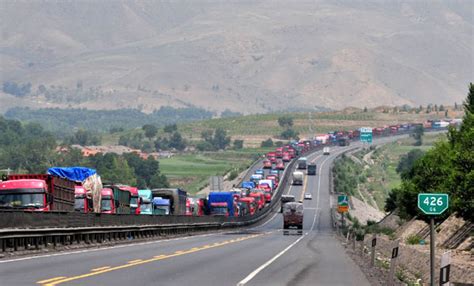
[
  {"x": 381, "y": 175},
  {"x": 192, "y": 171}
]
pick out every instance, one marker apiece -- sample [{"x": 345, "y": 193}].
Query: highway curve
[{"x": 259, "y": 255}]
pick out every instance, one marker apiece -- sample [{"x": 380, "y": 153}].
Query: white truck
[
  {"x": 326, "y": 150},
  {"x": 298, "y": 178}
]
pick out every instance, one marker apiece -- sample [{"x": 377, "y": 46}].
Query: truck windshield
[
  {"x": 106, "y": 205},
  {"x": 134, "y": 202},
  {"x": 145, "y": 207},
  {"x": 219, "y": 210},
  {"x": 79, "y": 203},
  {"x": 161, "y": 210},
  {"x": 23, "y": 200}
]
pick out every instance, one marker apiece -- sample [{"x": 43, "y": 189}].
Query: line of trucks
[{"x": 57, "y": 192}]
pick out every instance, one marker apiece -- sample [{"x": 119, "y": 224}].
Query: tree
[
  {"x": 289, "y": 134},
  {"x": 221, "y": 140},
  {"x": 446, "y": 168},
  {"x": 418, "y": 135},
  {"x": 365, "y": 109},
  {"x": 84, "y": 138},
  {"x": 267, "y": 143},
  {"x": 469, "y": 102},
  {"x": 177, "y": 142},
  {"x": 455, "y": 106},
  {"x": 204, "y": 146},
  {"x": 150, "y": 130},
  {"x": 407, "y": 161},
  {"x": 170, "y": 128},
  {"x": 159, "y": 181},
  {"x": 441, "y": 107},
  {"x": 285, "y": 121},
  {"x": 238, "y": 144}
]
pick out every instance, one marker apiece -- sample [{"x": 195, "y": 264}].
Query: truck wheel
[
  {"x": 300, "y": 226},
  {"x": 285, "y": 226}
]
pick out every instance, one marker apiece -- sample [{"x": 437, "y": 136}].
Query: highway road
[{"x": 259, "y": 255}]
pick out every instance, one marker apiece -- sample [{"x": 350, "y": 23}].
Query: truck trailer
[
  {"x": 298, "y": 178},
  {"x": 293, "y": 216},
  {"x": 177, "y": 199}
]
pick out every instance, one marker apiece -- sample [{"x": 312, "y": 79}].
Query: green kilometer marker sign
[{"x": 433, "y": 204}]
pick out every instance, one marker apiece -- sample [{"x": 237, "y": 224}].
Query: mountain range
[{"x": 248, "y": 56}]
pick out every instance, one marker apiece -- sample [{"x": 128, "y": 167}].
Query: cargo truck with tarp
[
  {"x": 86, "y": 177},
  {"x": 293, "y": 216},
  {"x": 177, "y": 199},
  {"x": 146, "y": 207}
]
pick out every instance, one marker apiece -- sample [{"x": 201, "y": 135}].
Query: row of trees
[
  {"x": 446, "y": 168},
  {"x": 29, "y": 148}
]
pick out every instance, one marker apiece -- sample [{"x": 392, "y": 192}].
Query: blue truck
[{"x": 222, "y": 203}]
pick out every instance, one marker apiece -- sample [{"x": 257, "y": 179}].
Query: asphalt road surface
[{"x": 258, "y": 255}]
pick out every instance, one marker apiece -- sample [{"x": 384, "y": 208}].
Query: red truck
[
  {"x": 279, "y": 152},
  {"x": 259, "y": 199},
  {"x": 107, "y": 204},
  {"x": 286, "y": 157},
  {"x": 82, "y": 203},
  {"x": 37, "y": 192},
  {"x": 252, "y": 205},
  {"x": 267, "y": 164},
  {"x": 135, "y": 200}
]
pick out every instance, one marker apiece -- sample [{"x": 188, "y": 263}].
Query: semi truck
[
  {"x": 286, "y": 199},
  {"x": 177, "y": 199},
  {"x": 134, "y": 198},
  {"x": 146, "y": 206},
  {"x": 293, "y": 216},
  {"x": 37, "y": 192},
  {"x": 302, "y": 163},
  {"x": 222, "y": 203},
  {"x": 343, "y": 141},
  {"x": 82, "y": 202},
  {"x": 298, "y": 178},
  {"x": 121, "y": 197},
  {"x": 161, "y": 206},
  {"x": 311, "y": 169}
]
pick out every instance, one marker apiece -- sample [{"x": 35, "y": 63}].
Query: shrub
[{"x": 413, "y": 239}]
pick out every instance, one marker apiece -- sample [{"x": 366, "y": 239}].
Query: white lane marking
[
  {"x": 256, "y": 271},
  {"x": 105, "y": 248},
  {"x": 264, "y": 224},
  {"x": 266, "y": 264}
]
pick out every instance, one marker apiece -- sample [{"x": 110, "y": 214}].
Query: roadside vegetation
[{"x": 446, "y": 168}]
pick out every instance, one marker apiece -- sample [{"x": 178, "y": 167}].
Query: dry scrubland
[{"x": 251, "y": 56}]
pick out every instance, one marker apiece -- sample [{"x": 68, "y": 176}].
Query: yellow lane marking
[
  {"x": 50, "y": 280},
  {"x": 60, "y": 280},
  {"x": 100, "y": 268},
  {"x": 179, "y": 252}
]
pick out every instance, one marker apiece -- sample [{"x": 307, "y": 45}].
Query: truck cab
[
  {"x": 82, "y": 202},
  {"x": 161, "y": 206},
  {"x": 24, "y": 194},
  {"x": 146, "y": 206},
  {"x": 311, "y": 169},
  {"x": 219, "y": 208},
  {"x": 259, "y": 198},
  {"x": 134, "y": 198},
  {"x": 107, "y": 202},
  {"x": 302, "y": 163}
]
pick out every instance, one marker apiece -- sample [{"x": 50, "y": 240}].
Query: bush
[
  {"x": 267, "y": 143},
  {"x": 413, "y": 239},
  {"x": 204, "y": 146},
  {"x": 233, "y": 174}
]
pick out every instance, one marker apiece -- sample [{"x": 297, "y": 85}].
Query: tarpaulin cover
[
  {"x": 77, "y": 174},
  {"x": 157, "y": 201},
  {"x": 89, "y": 179}
]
